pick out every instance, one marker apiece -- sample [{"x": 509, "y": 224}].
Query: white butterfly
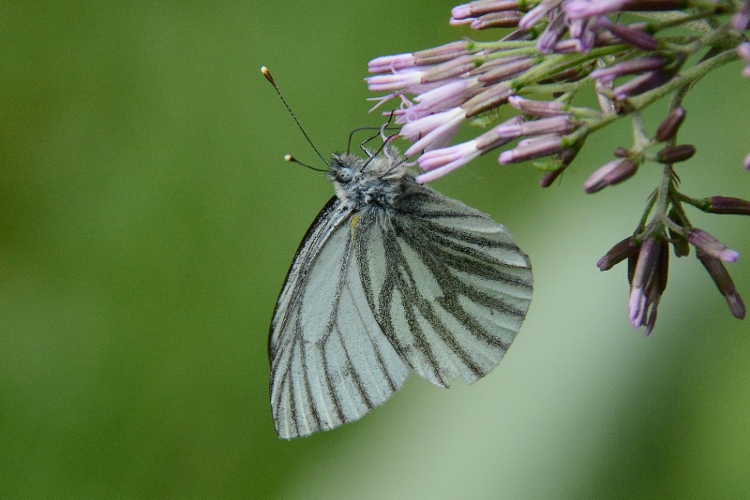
[{"x": 391, "y": 277}]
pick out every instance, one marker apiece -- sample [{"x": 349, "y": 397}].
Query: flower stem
[
  {"x": 649, "y": 206},
  {"x": 684, "y": 79}
]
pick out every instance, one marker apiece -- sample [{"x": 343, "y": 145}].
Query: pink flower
[
  {"x": 640, "y": 84},
  {"x": 448, "y": 95},
  {"x": 538, "y": 108},
  {"x": 712, "y": 247},
  {"x": 585, "y": 8},
  {"x": 433, "y": 131},
  {"x": 441, "y": 162},
  {"x": 631, "y": 67},
  {"x": 393, "y": 63},
  {"x": 560, "y": 125},
  {"x": 743, "y": 50},
  {"x": 528, "y": 150},
  {"x": 538, "y": 13},
  {"x": 396, "y": 81}
]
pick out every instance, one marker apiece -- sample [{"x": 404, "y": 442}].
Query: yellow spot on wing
[{"x": 355, "y": 220}]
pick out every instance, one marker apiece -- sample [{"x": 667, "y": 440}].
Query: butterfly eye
[{"x": 344, "y": 174}]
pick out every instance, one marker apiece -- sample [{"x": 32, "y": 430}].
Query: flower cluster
[{"x": 520, "y": 89}]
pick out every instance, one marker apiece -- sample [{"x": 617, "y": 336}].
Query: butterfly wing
[
  {"x": 330, "y": 362},
  {"x": 448, "y": 285}
]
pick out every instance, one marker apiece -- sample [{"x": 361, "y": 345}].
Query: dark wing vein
[{"x": 452, "y": 290}]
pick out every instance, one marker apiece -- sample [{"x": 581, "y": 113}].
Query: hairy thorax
[{"x": 368, "y": 184}]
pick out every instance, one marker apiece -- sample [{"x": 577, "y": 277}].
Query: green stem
[
  {"x": 553, "y": 65},
  {"x": 663, "y": 192},
  {"x": 678, "y": 84},
  {"x": 677, "y": 206},
  {"x": 649, "y": 206},
  {"x": 700, "y": 203},
  {"x": 678, "y": 19},
  {"x": 554, "y": 88},
  {"x": 640, "y": 137},
  {"x": 684, "y": 79}
]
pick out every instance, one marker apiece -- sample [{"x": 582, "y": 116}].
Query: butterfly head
[{"x": 376, "y": 181}]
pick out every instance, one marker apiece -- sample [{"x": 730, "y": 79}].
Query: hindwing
[{"x": 448, "y": 286}]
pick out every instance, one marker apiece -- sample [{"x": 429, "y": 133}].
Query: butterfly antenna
[
  {"x": 268, "y": 76},
  {"x": 292, "y": 159}
]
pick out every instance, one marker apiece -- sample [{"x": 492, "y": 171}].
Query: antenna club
[
  {"x": 267, "y": 74},
  {"x": 288, "y": 158}
]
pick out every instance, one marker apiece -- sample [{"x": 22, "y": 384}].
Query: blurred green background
[{"x": 147, "y": 221}]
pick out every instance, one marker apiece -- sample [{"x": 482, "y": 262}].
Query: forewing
[
  {"x": 330, "y": 362},
  {"x": 448, "y": 285}
]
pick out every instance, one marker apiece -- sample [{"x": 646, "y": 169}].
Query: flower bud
[
  {"x": 550, "y": 176},
  {"x": 564, "y": 158},
  {"x": 630, "y": 35},
  {"x": 489, "y": 98},
  {"x": 560, "y": 125},
  {"x": 544, "y": 146},
  {"x": 724, "y": 283},
  {"x": 556, "y": 28},
  {"x": 679, "y": 242},
  {"x": 583, "y": 8},
  {"x": 741, "y": 19},
  {"x": 640, "y": 84},
  {"x": 508, "y": 69},
  {"x": 621, "y": 152},
  {"x": 712, "y": 247},
  {"x": 443, "y": 53},
  {"x": 508, "y": 19},
  {"x": 648, "y": 283},
  {"x": 612, "y": 173},
  {"x": 674, "y": 154},
  {"x": 387, "y": 64},
  {"x": 538, "y": 108},
  {"x": 743, "y": 50},
  {"x": 475, "y": 9},
  {"x": 450, "y": 69},
  {"x": 491, "y": 139},
  {"x": 621, "y": 251},
  {"x": 727, "y": 205},
  {"x": 671, "y": 124},
  {"x": 631, "y": 67}
]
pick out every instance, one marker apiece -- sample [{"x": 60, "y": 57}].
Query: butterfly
[{"x": 392, "y": 277}]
